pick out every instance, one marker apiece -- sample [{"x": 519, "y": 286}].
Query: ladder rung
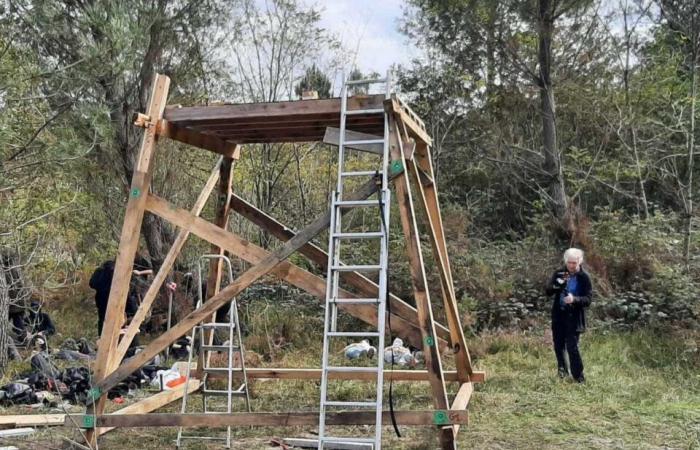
[
  {"x": 354, "y": 300},
  {"x": 366, "y": 81},
  {"x": 348, "y": 369},
  {"x": 219, "y": 392},
  {"x": 223, "y": 370},
  {"x": 216, "y": 325},
  {"x": 204, "y": 438},
  {"x": 365, "y": 268},
  {"x": 367, "y": 235},
  {"x": 364, "y": 142},
  {"x": 354, "y": 203},
  {"x": 220, "y": 348},
  {"x": 359, "y": 173},
  {"x": 347, "y": 440},
  {"x": 353, "y": 333},
  {"x": 354, "y": 112},
  {"x": 356, "y": 404}
]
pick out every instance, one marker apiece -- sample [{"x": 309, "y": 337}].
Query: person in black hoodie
[
  {"x": 101, "y": 282},
  {"x": 572, "y": 291}
]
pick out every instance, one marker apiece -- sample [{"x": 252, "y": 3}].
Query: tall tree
[
  {"x": 502, "y": 47},
  {"x": 683, "y": 18},
  {"x": 98, "y": 59}
]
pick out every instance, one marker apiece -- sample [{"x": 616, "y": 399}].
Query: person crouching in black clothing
[{"x": 571, "y": 292}]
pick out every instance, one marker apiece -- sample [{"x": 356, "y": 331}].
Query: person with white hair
[{"x": 572, "y": 291}]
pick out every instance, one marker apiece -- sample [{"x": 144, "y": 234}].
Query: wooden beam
[
  {"x": 31, "y": 420},
  {"x": 419, "y": 282},
  {"x": 154, "y": 402},
  {"x": 166, "y": 267},
  {"x": 197, "y": 138},
  {"x": 415, "y": 129},
  {"x": 365, "y": 286},
  {"x": 267, "y": 419},
  {"x": 315, "y": 374},
  {"x": 270, "y": 111},
  {"x": 427, "y": 196},
  {"x": 332, "y": 137},
  {"x": 223, "y": 208},
  {"x": 128, "y": 243},
  {"x": 214, "y": 234},
  {"x": 285, "y": 271},
  {"x": 461, "y": 400},
  {"x": 145, "y": 405}
]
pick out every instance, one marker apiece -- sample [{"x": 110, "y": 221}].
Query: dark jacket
[{"x": 572, "y": 316}]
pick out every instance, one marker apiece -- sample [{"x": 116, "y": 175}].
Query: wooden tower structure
[{"x": 224, "y": 129}]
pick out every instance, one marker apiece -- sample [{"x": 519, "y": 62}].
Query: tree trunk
[
  {"x": 552, "y": 158},
  {"x": 5, "y": 337},
  {"x": 691, "y": 149}
]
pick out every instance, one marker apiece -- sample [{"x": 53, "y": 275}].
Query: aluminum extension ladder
[
  {"x": 335, "y": 267},
  {"x": 233, "y": 346}
]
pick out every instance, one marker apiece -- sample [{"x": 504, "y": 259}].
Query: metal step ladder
[
  {"x": 336, "y": 267},
  {"x": 206, "y": 347}
]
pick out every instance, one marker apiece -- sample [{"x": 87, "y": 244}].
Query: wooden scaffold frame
[{"x": 224, "y": 129}]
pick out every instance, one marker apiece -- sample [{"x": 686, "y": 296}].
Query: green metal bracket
[
  {"x": 440, "y": 417},
  {"x": 95, "y": 393},
  {"x": 396, "y": 167},
  {"x": 135, "y": 192},
  {"x": 88, "y": 421},
  {"x": 429, "y": 341}
]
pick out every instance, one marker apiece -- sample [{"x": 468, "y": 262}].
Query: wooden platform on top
[{"x": 220, "y": 128}]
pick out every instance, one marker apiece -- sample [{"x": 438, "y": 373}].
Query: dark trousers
[{"x": 566, "y": 337}]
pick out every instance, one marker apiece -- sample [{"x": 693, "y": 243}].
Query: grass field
[{"x": 643, "y": 392}]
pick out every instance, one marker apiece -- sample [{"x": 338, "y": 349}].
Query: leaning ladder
[
  {"x": 335, "y": 267},
  {"x": 234, "y": 345}
]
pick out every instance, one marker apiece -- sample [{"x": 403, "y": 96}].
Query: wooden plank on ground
[
  {"x": 166, "y": 267},
  {"x": 267, "y": 419},
  {"x": 366, "y": 287},
  {"x": 31, "y": 420}
]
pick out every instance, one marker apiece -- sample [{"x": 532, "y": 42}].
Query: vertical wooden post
[
  {"x": 426, "y": 321},
  {"x": 429, "y": 200},
  {"x": 128, "y": 245},
  {"x": 223, "y": 209}
]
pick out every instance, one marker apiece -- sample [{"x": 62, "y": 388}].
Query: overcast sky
[{"x": 370, "y": 28}]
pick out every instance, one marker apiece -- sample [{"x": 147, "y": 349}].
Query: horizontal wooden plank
[
  {"x": 267, "y": 419},
  {"x": 246, "y": 111},
  {"x": 196, "y": 138},
  {"x": 315, "y": 374},
  {"x": 31, "y": 420},
  {"x": 146, "y": 405}
]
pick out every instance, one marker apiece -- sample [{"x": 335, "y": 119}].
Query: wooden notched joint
[{"x": 143, "y": 120}]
